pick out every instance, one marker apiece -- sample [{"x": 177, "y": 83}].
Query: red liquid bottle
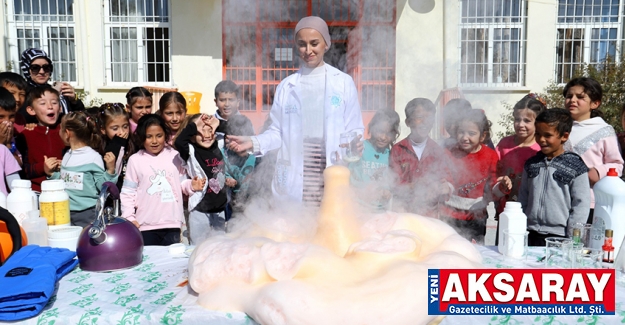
[{"x": 608, "y": 248}]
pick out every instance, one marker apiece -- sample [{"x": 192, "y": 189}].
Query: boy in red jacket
[
  {"x": 419, "y": 164},
  {"x": 42, "y": 147}
]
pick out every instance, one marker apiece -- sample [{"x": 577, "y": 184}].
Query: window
[
  {"x": 258, "y": 47},
  {"x": 588, "y": 32},
  {"x": 48, "y": 25},
  {"x": 492, "y": 42},
  {"x": 138, "y": 42}
]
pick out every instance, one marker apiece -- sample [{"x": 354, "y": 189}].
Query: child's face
[
  {"x": 420, "y": 123},
  {"x": 227, "y": 104},
  {"x": 7, "y": 116},
  {"x": 154, "y": 139},
  {"x": 117, "y": 126},
  {"x": 311, "y": 47},
  {"x": 45, "y": 109},
  {"x": 382, "y": 135},
  {"x": 469, "y": 137},
  {"x": 524, "y": 122},
  {"x": 141, "y": 106},
  {"x": 173, "y": 116},
  {"x": 18, "y": 94},
  {"x": 206, "y": 133},
  {"x": 579, "y": 104},
  {"x": 551, "y": 142}
]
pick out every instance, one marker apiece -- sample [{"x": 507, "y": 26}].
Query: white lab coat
[{"x": 342, "y": 114}]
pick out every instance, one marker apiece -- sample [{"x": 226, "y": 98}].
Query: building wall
[{"x": 427, "y": 55}]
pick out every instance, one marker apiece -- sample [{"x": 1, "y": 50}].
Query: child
[
  {"x": 555, "y": 189},
  {"x": 173, "y": 108},
  {"x": 419, "y": 164},
  {"x": 116, "y": 136},
  {"x": 82, "y": 169},
  {"x": 369, "y": 175},
  {"x": 204, "y": 160},
  {"x": 138, "y": 103},
  {"x": 42, "y": 147},
  {"x": 155, "y": 180},
  {"x": 591, "y": 137},
  {"x": 514, "y": 150},
  {"x": 239, "y": 166},
  {"x": 452, "y": 114},
  {"x": 8, "y": 164},
  {"x": 476, "y": 183},
  {"x": 16, "y": 85},
  {"x": 227, "y": 95}
]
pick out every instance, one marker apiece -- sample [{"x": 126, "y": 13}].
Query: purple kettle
[{"x": 110, "y": 242}]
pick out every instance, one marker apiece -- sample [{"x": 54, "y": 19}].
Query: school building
[{"x": 488, "y": 51}]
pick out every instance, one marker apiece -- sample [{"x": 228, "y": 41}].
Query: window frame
[
  {"x": 43, "y": 26},
  {"x": 142, "y": 63},
  {"x": 587, "y": 25},
  {"x": 490, "y": 27}
]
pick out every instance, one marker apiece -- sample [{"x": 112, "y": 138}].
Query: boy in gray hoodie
[{"x": 555, "y": 192}]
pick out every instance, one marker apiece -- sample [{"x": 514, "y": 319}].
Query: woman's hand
[
  {"x": 109, "y": 162},
  {"x": 360, "y": 145},
  {"x": 68, "y": 92},
  {"x": 239, "y": 143},
  {"x": 50, "y": 165},
  {"x": 198, "y": 183},
  {"x": 134, "y": 222}
]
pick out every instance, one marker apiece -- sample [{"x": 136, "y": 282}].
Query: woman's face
[
  {"x": 40, "y": 70},
  {"x": 311, "y": 47}
]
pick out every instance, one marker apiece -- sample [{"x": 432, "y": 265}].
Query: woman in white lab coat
[{"x": 311, "y": 108}]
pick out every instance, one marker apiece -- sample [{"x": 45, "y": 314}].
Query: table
[
  {"x": 493, "y": 259},
  {"x": 155, "y": 292}
]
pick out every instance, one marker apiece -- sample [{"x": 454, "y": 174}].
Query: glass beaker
[
  {"x": 349, "y": 147},
  {"x": 557, "y": 252}
]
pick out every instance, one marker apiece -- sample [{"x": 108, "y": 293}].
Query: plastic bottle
[
  {"x": 609, "y": 206},
  {"x": 36, "y": 229},
  {"x": 21, "y": 200},
  {"x": 3, "y": 200},
  {"x": 514, "y": 220},
  {"x": 54, "y": 203},
  {"x": 608, "y": 248}
]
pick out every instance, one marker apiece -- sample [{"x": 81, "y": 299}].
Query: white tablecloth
[
  {"x": 154, "y": 292},
  {"x": 493, "y": 259}
]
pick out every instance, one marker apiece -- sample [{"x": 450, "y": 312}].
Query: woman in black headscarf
[{"x": 37, "y": 68}]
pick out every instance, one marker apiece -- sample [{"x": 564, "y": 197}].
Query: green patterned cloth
[
  {"x": 151, "y": 293},
  {"x": 493, "y": 259}
]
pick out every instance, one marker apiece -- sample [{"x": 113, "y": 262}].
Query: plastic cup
[
  {"x": 557, "y": 252},
  {"x": 515, "y": 244}
]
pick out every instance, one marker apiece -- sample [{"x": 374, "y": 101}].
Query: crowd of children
[{"x": 167, "y": 164}]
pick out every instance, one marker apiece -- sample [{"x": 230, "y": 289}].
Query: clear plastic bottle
[
  {"x": 21, "y": 200},
  {"x": 54, "y": 203},
  {"x": 36, "y": 229},
  {"x": 513, "y": 220}
]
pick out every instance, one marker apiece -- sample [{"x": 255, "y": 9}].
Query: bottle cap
[
  {"x": 577, "y": 232},
  {"x": 52, "y": 185},
  {"x": 612, "y": 172},
  {"x": 22, "y": 183},
  {"x": 609, "y": 233}
]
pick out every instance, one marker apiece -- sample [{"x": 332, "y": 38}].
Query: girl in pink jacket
[
  {"x": 155, "y": 180},
  {"x": 591, "y": 138}
]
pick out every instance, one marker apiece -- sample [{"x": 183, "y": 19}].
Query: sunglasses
[{"x": 35, "y": 68}]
